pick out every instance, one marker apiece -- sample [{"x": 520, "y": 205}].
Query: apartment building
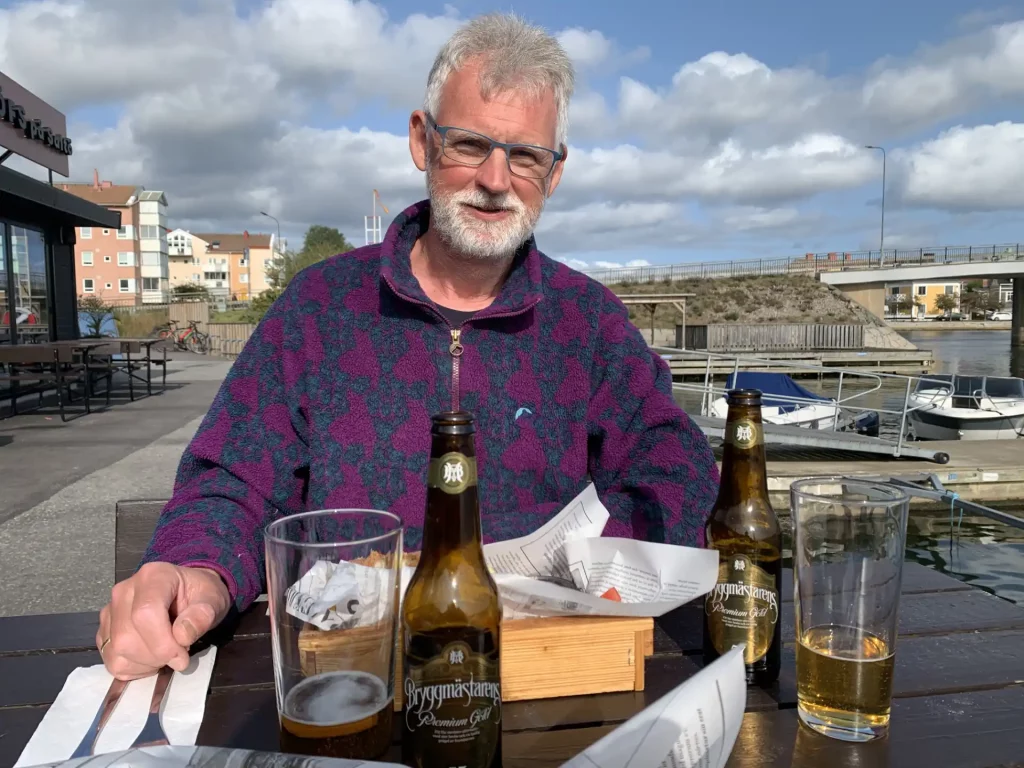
[
  {"x": 232, "y": 266},
  {"x": 125, "y": 266},
  {"x": 918, "y": 298}
]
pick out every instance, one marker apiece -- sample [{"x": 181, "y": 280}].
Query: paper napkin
[{"x": 69, "y": 717}]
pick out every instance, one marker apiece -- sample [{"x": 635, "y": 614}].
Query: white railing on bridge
[{"x": 812, "y": 263}]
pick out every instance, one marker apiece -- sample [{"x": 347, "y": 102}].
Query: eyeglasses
[{"x": 471, "y": 148}]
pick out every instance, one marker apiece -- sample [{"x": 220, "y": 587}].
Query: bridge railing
[{"x": 812, "y": 263}]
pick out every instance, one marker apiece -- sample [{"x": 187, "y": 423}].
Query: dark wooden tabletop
[{"x": 959, "y": 688}]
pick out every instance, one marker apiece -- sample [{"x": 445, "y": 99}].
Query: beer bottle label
[
  {"x": 744, "y": 433},
  {"x": 452, "y": 707},
  {"x": 452, "y": 473},
  {"x": 742, "y": 608}
]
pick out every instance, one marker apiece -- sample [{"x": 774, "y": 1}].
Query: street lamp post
[
  {"x": 881, "y": 237},
  {"x": 273, "y": 256},
  {"x": 264, "y": 213}
]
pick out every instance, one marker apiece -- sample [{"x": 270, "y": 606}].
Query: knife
[{"x": 85, "y": 748}]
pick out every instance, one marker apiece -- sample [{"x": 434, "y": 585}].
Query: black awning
[{"x": 20, "y": 193}]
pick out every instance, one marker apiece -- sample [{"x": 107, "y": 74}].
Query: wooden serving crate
[{"x": 540, "y": 658}]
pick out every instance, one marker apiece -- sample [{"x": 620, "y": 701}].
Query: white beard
[{"x": 475, "y": 239}]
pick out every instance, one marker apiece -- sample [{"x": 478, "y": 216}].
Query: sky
[{"x": 698, "y": 130}]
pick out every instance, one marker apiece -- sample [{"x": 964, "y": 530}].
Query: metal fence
[
  {"x": 796, "y": 336},
  {"x": 813, "y": 263}
]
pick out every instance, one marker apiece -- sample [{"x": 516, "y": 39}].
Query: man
[{"x": 329, "y": 403}]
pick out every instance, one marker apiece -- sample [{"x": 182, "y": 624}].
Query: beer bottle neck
[
  {"x": 452, "y": 520},
  {"x": 744, "y": 473}
]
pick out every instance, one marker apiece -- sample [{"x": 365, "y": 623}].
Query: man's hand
[{"x": 155, "y": 616}]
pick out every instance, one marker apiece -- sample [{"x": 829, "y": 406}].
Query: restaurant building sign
[{"x": 32, "y": 128}]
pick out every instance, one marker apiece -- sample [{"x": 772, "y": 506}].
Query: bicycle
[{"x": 192, "y": 339}]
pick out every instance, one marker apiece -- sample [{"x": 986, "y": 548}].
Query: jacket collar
[{"x": 522, "y": 288}]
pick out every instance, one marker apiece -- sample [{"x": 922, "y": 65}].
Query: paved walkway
[{"x": 61, "y": 481}]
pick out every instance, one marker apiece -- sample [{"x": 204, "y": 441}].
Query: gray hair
[{"x": 515, "y": 55}]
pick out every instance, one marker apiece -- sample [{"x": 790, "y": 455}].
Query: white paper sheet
[
  {"x": 693, "y": 726},
  {"x": 650, "y": 579},
  {"x": 542, "y": 553},
  {"x": 69, "y": 717}
]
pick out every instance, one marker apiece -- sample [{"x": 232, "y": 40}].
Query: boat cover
[{"x": 778, "y": 384}]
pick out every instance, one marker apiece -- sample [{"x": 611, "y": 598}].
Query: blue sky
[{"x": 780, "y": 95}]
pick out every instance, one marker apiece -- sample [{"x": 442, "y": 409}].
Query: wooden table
[{"x": 959, "y": 695}]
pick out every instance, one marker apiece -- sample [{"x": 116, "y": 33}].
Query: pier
[
  {"x": 988, "y": 471},
  {"x": 910, "y": 362}
]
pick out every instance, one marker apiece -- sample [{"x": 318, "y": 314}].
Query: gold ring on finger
[{"x": 104, "y": 645}]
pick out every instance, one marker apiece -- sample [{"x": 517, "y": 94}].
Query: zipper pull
[{"x": 456, "y": 346}]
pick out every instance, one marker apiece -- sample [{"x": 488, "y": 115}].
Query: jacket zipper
[{"x": 456, "y": 348}]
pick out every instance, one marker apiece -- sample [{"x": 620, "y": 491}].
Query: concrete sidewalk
[{"x": 61, "y": 482}]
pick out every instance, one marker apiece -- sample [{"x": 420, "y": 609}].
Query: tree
[
  {"x": 193, "y": 291},
  {"x": 319, "y": 243},
  {"x": 896, "y": 301},
  {"x": 978, "y": 300},
  {"x": 98, "y": 317},
  {"x": 946, "y": 302}
]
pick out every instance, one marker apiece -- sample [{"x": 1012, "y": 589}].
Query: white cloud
[
  {"x": 231, "y": 111},
  {"x": 980, "y": 168}
]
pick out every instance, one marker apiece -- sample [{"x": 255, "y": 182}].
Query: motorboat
[
  {"x": 785, "y": 402},
  {"x": 952, "y": 407}
]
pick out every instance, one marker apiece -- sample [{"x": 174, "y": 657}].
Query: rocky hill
[{"x": 749, "y": 299}]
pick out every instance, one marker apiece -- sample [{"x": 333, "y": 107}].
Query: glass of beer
[
  {"x": 848, "y": 540},
  {"x": 333, "y": 581}
]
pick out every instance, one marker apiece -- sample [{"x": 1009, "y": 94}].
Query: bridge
[{"x": 861, "y": 275}]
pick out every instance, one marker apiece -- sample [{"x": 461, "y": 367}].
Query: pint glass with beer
[
  {"x": 848, "y": 541},
  {"x": 333, "y": 581}
]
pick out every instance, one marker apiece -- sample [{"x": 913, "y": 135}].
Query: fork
[
  {"x": 152, "y": 734},
  {"x": 106, "y": 709}
]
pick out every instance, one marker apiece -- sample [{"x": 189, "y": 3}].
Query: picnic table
[{"x": 958, "y": 688}]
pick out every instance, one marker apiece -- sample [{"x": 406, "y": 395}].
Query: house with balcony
[{"x": 916, "y": 300}]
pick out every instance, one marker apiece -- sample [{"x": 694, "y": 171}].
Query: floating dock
[{"x": 982, "y": 471}]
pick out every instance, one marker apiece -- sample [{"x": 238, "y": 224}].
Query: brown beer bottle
[
  {"x": 745, "y": 605},
  {"x": 451, "y": 619}
]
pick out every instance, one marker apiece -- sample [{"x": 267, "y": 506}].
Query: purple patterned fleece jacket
[{"x": 329, "y": 405}]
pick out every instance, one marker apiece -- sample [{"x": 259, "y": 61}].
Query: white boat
[
  {"x": 783, "y": 401},
  {"x": 951, "y": 407}
]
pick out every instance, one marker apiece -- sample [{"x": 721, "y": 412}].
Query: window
[
  {"x": 123, "y": 286},
  {"x": 894, "y": 291},
  {"x": 244, "y": 278},
  {"x": 949, "y": 290},
  {"x": 108, "y": 286},
  {"x": 106, "y": 231},
  {"x": 125, "y": 232},
  {"x": 125, "y": 259},
  {"x": 922, "y": 290},
  {"x": 86, "y": 258},
  {"x": 106, "y": 259},
  {"x": 85, "y": 233},
  {"x": 87, "y": 285},
  {"x": 150, "y": 232},
  {"x": 151, "y": 283}
]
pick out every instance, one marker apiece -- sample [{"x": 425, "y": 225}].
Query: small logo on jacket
[{"x": 523, "y": 412}]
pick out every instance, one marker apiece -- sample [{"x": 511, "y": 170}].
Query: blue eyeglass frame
[{"x": 442, "y": 130}]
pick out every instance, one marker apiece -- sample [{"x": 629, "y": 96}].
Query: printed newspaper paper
[{"x": 562, "y": 569}]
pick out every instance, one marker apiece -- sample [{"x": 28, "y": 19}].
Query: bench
[{"x": 58, "y": 365}]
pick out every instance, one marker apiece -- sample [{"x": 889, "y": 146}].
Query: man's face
[{"x": 484, "y": 212}]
